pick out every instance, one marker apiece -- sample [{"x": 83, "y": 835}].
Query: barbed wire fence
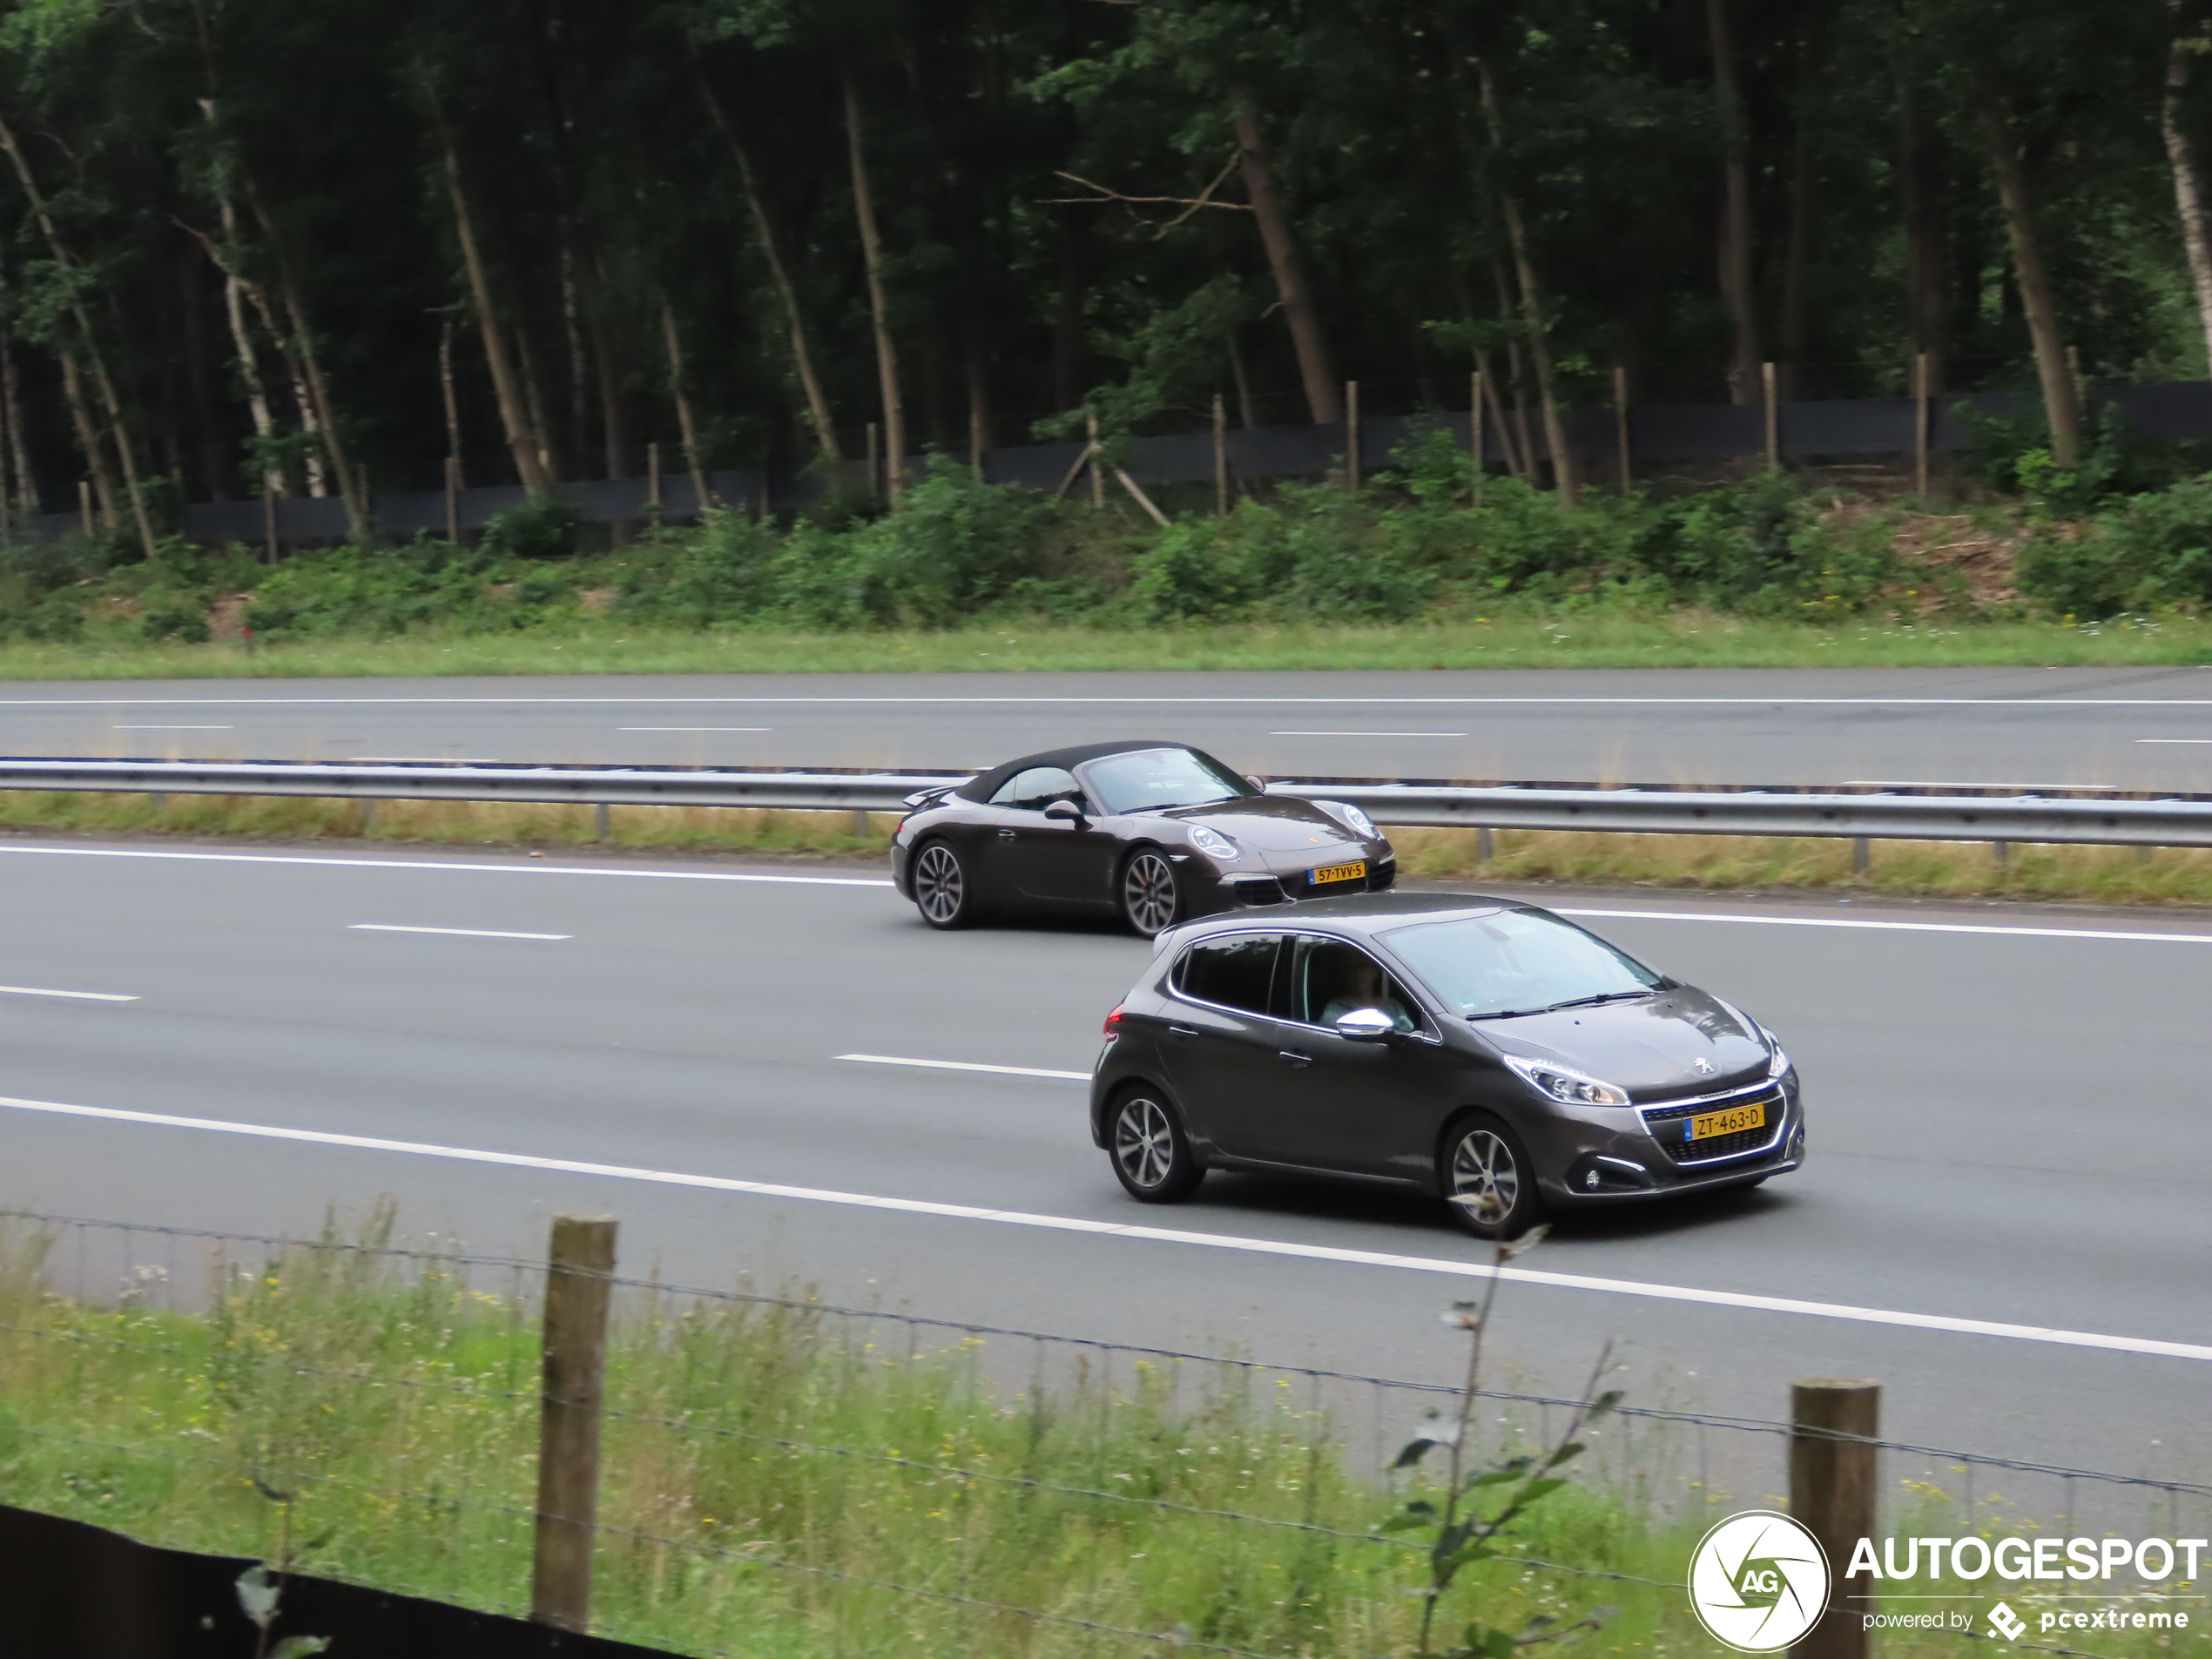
[{"x": 875, "y": 1464}]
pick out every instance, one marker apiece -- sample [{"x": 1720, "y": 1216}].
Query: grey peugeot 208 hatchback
[{"x": 1484, "y": 1051}]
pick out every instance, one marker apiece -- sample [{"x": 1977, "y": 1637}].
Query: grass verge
[
  {"x": 772, "y": 1471},
  {"x": 1598, "y": 638},
  {"x": 2168, "y": 876}
]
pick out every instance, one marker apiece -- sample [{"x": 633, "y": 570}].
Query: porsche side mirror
[
  {"x": 1366, "y": 1025},
  {"x": 1257, "y": 781},
  {"x": 1064, "y": 811}
]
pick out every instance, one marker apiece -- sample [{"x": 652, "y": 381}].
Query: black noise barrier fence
[
  {"x": 1640, "y": 438},
  {"x": 437, "y": 1452}
]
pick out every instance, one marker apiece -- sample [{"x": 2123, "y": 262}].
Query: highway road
[
  {"x": 2007, "y": 1117},
  {"x": 2115, "y": 728}
]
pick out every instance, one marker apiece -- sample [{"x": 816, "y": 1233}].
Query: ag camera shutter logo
[{"x": 1759, "y": 1581}]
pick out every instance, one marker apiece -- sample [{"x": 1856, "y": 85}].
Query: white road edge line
[
  {"x": 74, "y": 996},
  {"x": 456, "y": 932},
  {"x": 967, "y": 1065},
  {"x": 440, "y": 864},
  {"x": 1891, "y": 926},
  {"x": 1155, "y": 1235},
  {"x": 880, "y": 881},
  {"x": 695, "y": 728},
  {"x": 1030, "y": 701},
  {"x": 1366, "y": 734}
]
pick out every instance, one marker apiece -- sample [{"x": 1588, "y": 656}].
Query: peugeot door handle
[
  {"x": 1006, "y": 835},
  {"x": 1292, "y": 1056},
  {"x": 1182, "y": 1031}
]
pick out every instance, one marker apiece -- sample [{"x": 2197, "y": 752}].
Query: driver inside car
[{"x": 1361, "y": 982}]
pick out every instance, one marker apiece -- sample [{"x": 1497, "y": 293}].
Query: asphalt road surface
[
  {"x": 2113, "y": 728},
  {"x": 2007, "y": 1112}
]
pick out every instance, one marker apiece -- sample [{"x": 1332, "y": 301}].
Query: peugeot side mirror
[
  {"x": 1064, "y": 811},
  {"x": 1366, "y": 1025}
]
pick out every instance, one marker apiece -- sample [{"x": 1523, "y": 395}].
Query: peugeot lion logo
[{"x": 1701, "y": 1066}]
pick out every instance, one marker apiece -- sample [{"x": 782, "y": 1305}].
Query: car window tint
[
  {"x": 1330, "y": 979},
  {"x": 1037, "y": 787},
  {"x": 1235, "y": 973},
  {"x": 1515, "y": 961},
  {"x": 1148, "y": 780}
]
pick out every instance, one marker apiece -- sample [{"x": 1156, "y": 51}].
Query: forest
[{"x": 326, "y": 246}]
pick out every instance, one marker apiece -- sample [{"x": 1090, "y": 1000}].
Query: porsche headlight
[
  {"x": 1355, "y": 820},
  {"x": 1215, "y": 846},
  {"x": 1566, "y": 1085}
]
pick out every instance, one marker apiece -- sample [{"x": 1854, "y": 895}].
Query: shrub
[
  {"x": 1762, "y": 548},
  {"x": 2152, "y": 551},
  {"x": 544, "y": 529}
]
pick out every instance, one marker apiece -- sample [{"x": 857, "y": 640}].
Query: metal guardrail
[{"x": 1870, "y": 815}]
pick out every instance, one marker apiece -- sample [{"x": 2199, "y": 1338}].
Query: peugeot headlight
[
  {"x": 1215, "y": 846},
  {"x": 1777, "y": 1061},
  {"x": 1566, "y": 1085},
  {"x": 1355, "y": 820}
]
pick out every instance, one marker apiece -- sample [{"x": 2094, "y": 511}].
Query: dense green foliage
[
  {"x": 248, "y": 234},
  {"x": 1409, "y": 546}
]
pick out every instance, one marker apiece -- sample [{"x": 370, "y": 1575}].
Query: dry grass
[{"x": 1905, "y": 869}]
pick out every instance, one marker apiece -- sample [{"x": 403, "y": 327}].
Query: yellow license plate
[
  {"x": 1706, "y": 1125},
  {"x": 1339, "y": 873}
]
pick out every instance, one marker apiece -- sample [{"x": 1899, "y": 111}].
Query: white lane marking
[
  {"x": 74, "y": 996},
  {"x": 1025, "y": 701},
  {"x": 456, "y": 932},
  {"x": 1159, "y": 1235},
  {"x": 421, "y": 760},
  {"x": 1366, "y": 734},
  {"x": 695, "y": 728},
  {"x": 176, "y": 728},
  {"x": 967, "y": 1065},
  {"x": 2173, "y": 740},
  {"x": 1893, "y": 927},
  {"x": 434, "y": 864},
  {"x": 878, "y": 882}
]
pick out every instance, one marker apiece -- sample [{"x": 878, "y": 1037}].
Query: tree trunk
[
  {"x": 1927, "y": 275},
  {"x": 1324, "y": 395},
  {"x": 2188, "y": 197},
  {"x": 685, "y": 424},
  {"x": 1534, "y": 322},
  {"x": 87, "y": 430},
  {"x": 2061, "y": 404},
  {"x": 1797, "y": 258},
  {"x": 449, "y": 395},
  {"x": 1737, "y": 290},
  {"x": 886, "y": 351},
  {"x": 802, "y": 358},
  {"x": 535, "y": 404},
  {"x": 1070, "y": 332},
  {"x": 249, "y": 368},
  {"x": 26, "y": 484},
  {"x": 524, "y": 444},
  {"x": 310, "y": 367}
]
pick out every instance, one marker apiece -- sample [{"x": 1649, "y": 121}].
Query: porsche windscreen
[{"x": 1151, "y": 779}]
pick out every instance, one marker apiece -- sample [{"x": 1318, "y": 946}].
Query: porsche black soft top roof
[{"x": 983, "y": 786}]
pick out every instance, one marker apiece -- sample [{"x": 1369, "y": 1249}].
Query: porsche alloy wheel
[
  {"x": 1150, "y": 900},
  {"x": 941, "y": 891}
]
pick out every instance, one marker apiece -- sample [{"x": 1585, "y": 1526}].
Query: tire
[
  {"x": 1489, "y": 1180},
  {"x": 1152, "y": 1156},
  {"x": 944, "y": 888},
  {"x": 1150, "y": 897}
]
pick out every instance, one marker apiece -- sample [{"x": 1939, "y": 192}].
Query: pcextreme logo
[{"x": 1759, "y": 1581}]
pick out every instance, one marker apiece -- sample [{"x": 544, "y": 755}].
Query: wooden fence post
[
  {"x": 1097, "y": 472},
  {"x": 1773, "y": 416},
  {"x": 268, "y": 521},
  {"x": 1620, "y": 422},
  {"x": 1832, "y": 1487},
  {"x": 84, "y": 505},
  {"x": 579, "y": 1263},
  {"x": 1920, "y": 378},
  {"x": 652, "y": 480},
  {"x": 1474, "y": 432},
  {"x": 1220, "y": 458},
  {"x": 452, "y": 499},
  {"x": 1352, "y": 434}
]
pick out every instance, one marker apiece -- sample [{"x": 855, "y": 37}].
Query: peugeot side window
[
  {"x": 1233, "y": 972},
  {"x": 1330, "y": 979}
]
